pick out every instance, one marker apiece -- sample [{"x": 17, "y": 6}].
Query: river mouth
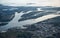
[
  {"x": 26, "y": 15},
  {"x": 30, "y": 21},
  {"x": 15, "y": 23}
]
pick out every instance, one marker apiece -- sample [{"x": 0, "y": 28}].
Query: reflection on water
[{"x": 14, "y": 22}]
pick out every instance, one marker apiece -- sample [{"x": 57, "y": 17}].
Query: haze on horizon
[{"x": 31, "y": 2}]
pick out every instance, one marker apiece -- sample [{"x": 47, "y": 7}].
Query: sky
[{"x": 30, "y": 2}]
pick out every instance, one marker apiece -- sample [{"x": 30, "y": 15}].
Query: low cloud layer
[{"x": 30, "y": 2}]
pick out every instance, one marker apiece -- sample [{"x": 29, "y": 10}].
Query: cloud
[{"x": 30, "y": 2}]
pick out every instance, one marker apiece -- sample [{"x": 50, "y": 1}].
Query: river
[{"x": 15, "y": 23}]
